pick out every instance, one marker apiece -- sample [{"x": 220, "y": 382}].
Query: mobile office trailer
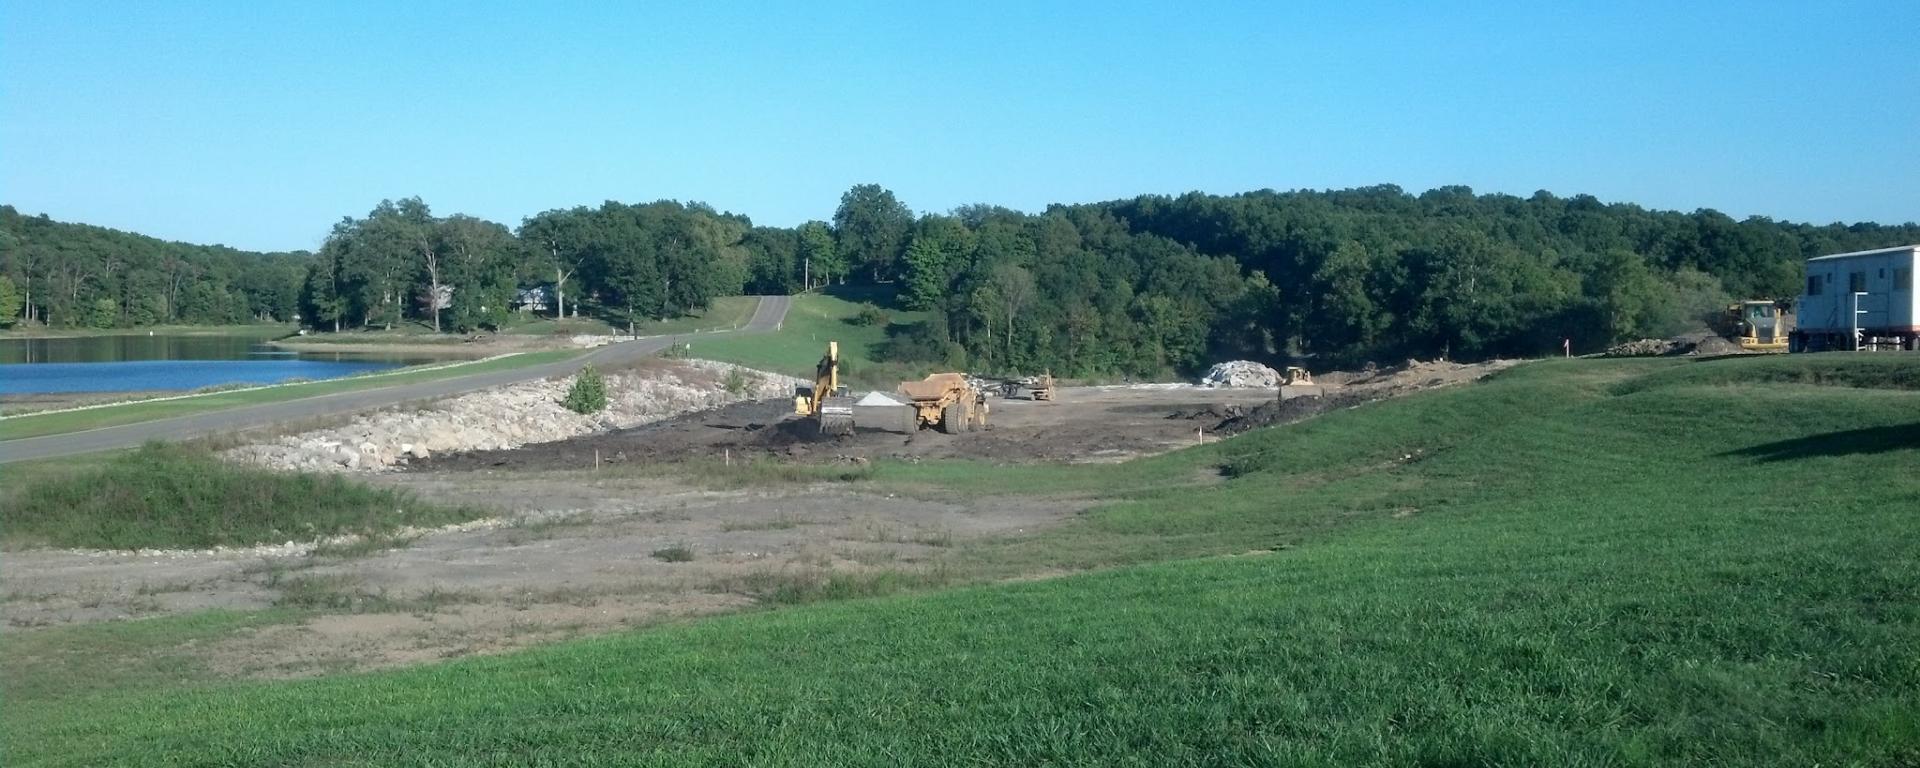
[{"x": 1859, "y": 300}]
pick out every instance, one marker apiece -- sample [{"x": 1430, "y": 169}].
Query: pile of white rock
[
  {"x": 512, "y": 416},
  {"x": 1240, "y": 373}
]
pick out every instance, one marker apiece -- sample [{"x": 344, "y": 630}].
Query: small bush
[
  {"x": 588, "y": 394},
  {"x": 870, "y": 314},
  {"x": 674, "y": 554},
  {"x": 739, "y": 382}
]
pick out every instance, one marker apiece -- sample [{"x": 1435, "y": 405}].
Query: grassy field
[
  {"x": 164, "y": 496},
  {"x": 813, "y": 320},
  {"x": 1606, "y": 562},
  {"x": 35, "y": 425}
]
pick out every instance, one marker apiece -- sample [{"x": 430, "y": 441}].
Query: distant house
[{"x": 536, "y": 299}]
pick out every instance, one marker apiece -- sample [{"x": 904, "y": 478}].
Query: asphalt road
[{"x": 766, "y": 317}]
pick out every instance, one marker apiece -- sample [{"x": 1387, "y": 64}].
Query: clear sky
[{"x": 259, "y": 124}]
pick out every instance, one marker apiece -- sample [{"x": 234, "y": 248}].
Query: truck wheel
[{"x": 953, "y": 419}]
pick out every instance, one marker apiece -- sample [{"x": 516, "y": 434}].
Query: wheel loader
[
  {"x": 945, "y": 401},
  {"x": 826, "y": 401}
]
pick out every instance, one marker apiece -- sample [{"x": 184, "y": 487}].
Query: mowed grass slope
[
  {"x": 812, "y": 320},
  {"x": 1575, "y": 563}
]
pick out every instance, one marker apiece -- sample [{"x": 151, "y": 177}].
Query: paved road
[{"x": 766, "y": 317}]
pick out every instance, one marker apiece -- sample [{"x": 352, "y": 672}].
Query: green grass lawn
[
  {"x": 35, "y": 425},
  {"x": 1588, "y": 562},
  {"x": 813, "y": 320}
]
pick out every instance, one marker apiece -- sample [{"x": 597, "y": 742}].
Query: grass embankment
[
  {"x": 813, "y": 320},
  {"x": 35, "y": 425},
  {"x": 1575, "y": 563},
  {"x": 164, "y": 496}
]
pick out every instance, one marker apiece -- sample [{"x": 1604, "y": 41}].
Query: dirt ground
[
  {"x": 571, "y": 551},
  {"x": 1084, "y": 425}
]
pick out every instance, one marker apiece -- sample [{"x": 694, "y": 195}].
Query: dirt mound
[
  {"x": 1715, "y": 345},
  {"x": 1697, "y": 343},
  {"x": 1241, "y": 373},
  {"x": 1648, "y": 348},
  {"x": 1292, "y": 410}
]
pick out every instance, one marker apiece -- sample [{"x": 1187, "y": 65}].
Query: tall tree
[
  {"x": 820, "y": 257},
  {"x": 9, "y": 301},
  {"x": 871, "y": 228},
  {"x": 479, "y": 261},
  {"x": 564, "y": 237}
]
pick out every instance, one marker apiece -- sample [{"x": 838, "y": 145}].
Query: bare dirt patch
[
  {"x": 577, "y": 557},
  {"x": 1086, "y": 424}
]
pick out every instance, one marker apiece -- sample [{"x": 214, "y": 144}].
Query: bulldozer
[
  {"x": 826, "y": 401},
  {"x": 945, "y": 401},
  {"x": 1757, "y": 325}
]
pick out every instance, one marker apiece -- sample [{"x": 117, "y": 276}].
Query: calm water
[{"x": 140, "y": 362}]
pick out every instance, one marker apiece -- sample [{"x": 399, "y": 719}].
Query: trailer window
[
  {"x": 1857, "y": 282},
  {"x": 1902, "y": 278},
  {"x": 1813, "y": 285}
]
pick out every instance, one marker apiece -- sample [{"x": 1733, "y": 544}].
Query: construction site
[{"x": 684, "y": 514}]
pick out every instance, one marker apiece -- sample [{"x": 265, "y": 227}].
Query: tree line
[
  {"x": 81, "y": 276},
  {"x": 1141, "y": 286}
]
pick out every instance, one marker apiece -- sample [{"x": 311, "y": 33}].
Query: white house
[{"x": 1868, "y": 293}]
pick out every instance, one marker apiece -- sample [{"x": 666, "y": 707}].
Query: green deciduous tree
[
  {"x": 10, "y": 301},
  {"x": 820, "y": 257},
  {"x": 871, "y": 228}
]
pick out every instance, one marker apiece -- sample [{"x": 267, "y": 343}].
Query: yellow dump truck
[{"x": 945, "y": 401}]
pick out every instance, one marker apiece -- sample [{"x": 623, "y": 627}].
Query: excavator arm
[{"x": 827, "y": 401}]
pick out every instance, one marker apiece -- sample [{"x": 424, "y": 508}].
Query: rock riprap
[{"x": 511, "y": 416}]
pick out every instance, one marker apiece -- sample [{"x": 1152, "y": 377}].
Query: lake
[{"x": 138, "y": 363}]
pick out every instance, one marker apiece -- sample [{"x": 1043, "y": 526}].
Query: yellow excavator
[{"x": 826, "y": 401}]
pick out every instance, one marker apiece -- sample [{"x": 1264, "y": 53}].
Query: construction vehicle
[
  {"x": 826, "y": 401},
  {"x": 1296, "y": 376},
  {"x": 1758, "y": 325},
  {"x": 947, "y": 402},
  {"x": 1041, "y": 387}
]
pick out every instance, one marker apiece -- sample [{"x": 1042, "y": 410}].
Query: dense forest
[
  {"x": 1143, "y": 286},
  {"x": 80, "y": 276}
]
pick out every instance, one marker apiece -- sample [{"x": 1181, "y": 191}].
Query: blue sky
[{"x": 260, "y": 124}]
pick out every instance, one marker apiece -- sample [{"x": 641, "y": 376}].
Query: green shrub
[
  {"x": 739, "y": 383},
  {"x": 588, "y": 394},
  {"x": 870, "y": 314},
  {"x": 179, "y": 496},
  {"x": 674, "y": 554}
]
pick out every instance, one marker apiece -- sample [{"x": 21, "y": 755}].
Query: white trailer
[{"x": 1863, "y": 299}]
